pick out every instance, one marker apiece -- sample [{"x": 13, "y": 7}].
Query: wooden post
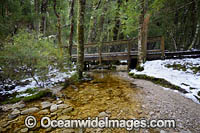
[
  {"x": 100, "y": 54},
  {"x": 162, "y": 47},
  {"x": 129, "y": 56}
]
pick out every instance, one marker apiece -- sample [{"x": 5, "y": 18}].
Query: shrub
[{"x": 27, "y": 57}]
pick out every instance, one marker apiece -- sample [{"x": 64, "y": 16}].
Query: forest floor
[{"x": 112, "y": 94}]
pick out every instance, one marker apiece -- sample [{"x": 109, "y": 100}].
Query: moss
[
  {"x": 38, "y": 95},
  {"x": 183, "y": 67},
  {"x": 159, "y": 81},
  {"x": 139, "y": 68},
  {"x": 30, "y": 90},
  {"x": 12, "y": 100},
  {"x": 35, "y": 96},
  {"x": 191, "y": 88},
  {"x": 195, "y": 69},
  {"x": 177, "y": 67}
]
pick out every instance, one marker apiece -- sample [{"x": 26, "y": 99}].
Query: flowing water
[{"x": 106, "y": 93}]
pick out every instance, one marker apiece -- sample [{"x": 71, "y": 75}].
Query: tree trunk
[
  {"x": 117, "y": 21},
  {"x": 71, "y": 17},
  {"x": 44, "y": 17},
  {"x": 59, "y": 29},
  {"x": 80, "y": 32},
  {"x": 197, "y": 27},
  {"x": 37, "y": 12},
  {"x": 142, "y": 35},
  {"x": 93, "y": 22}
]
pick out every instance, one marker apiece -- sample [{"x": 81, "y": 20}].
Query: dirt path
[{"x": 159, "y": 103}]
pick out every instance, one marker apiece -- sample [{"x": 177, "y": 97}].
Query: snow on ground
[
  {"x": 187, "y": 80},
  {"x": 55, "y": 77}
]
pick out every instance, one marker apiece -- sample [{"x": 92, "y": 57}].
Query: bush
[{"x": 27, "y": 57}]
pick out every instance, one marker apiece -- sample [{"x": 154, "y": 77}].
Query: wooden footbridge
[{"x": 127, "y": 50}]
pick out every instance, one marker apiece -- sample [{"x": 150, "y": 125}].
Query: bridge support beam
[
  {"x": 100, "y": 55},
  {"x": 162, "y": 47},
  {"x": 129, "y": 56}
]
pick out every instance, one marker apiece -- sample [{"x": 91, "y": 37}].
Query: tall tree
[
  {"x": 44, "y": 6},
  {"x": 117, "y": 21},
  {"x": 58, "y": 28},
  {"x": 93, "y": 22},
  {"x": 80, "y": 32},
  {"x": 37, "y": 14},
  {"x": 71, "y": 17},
  {"x": 142, "y": 35}
]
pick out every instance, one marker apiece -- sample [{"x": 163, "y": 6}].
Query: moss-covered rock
[{"x": 159, "y": 81}]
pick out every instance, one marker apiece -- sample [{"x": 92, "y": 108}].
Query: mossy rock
[
  {"x": 139, "y": 68},
  {"x": 37, "y": 95},
  {"x": 159, "y": 81}
]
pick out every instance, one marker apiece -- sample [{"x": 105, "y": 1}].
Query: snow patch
[{"x": 184, "y": 79}]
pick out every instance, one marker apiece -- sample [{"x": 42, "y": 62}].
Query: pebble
[
  {"x": 59, "y": 102},
  {"x": 162, "y": 131},
  {"x": 151, "y": 113},
  {"x": 103, "y": 114},
  {"x": 11, "y": 117},
  {"x": 15, "y": 112},
  {"x": 24, "y": 130},
  {"x": 54, "y": 107}
]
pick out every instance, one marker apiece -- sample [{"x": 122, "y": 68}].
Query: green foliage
[
  {"x": 27, "y": 57},
  {"x": 74, "y": 78}
]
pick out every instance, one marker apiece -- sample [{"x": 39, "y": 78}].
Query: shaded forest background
[
  {"x": 36, "y": 36},
  {"x": 105, "y": 20}
]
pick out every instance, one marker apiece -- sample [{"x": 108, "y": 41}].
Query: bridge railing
[{"x": 128, "y": 46}]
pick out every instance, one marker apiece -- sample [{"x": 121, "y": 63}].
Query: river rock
[
  {"x": 63, "y": 106},
  {"x": 24, "y": 130},
  {"x": 103, "y": 114},
  {"x": 29, "y": 111},
  {"x": 59, "y": 102},
  {"x": 11, "y": 117},
  {"x": 162, "y": 131},
  {"x": 54, "y": 107},
  {"x": 67, "y": 110},
  {"x": 45, "y": 105},
  {"x": 43, "y": 112},
  {"x": 15, "y": 112}
]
